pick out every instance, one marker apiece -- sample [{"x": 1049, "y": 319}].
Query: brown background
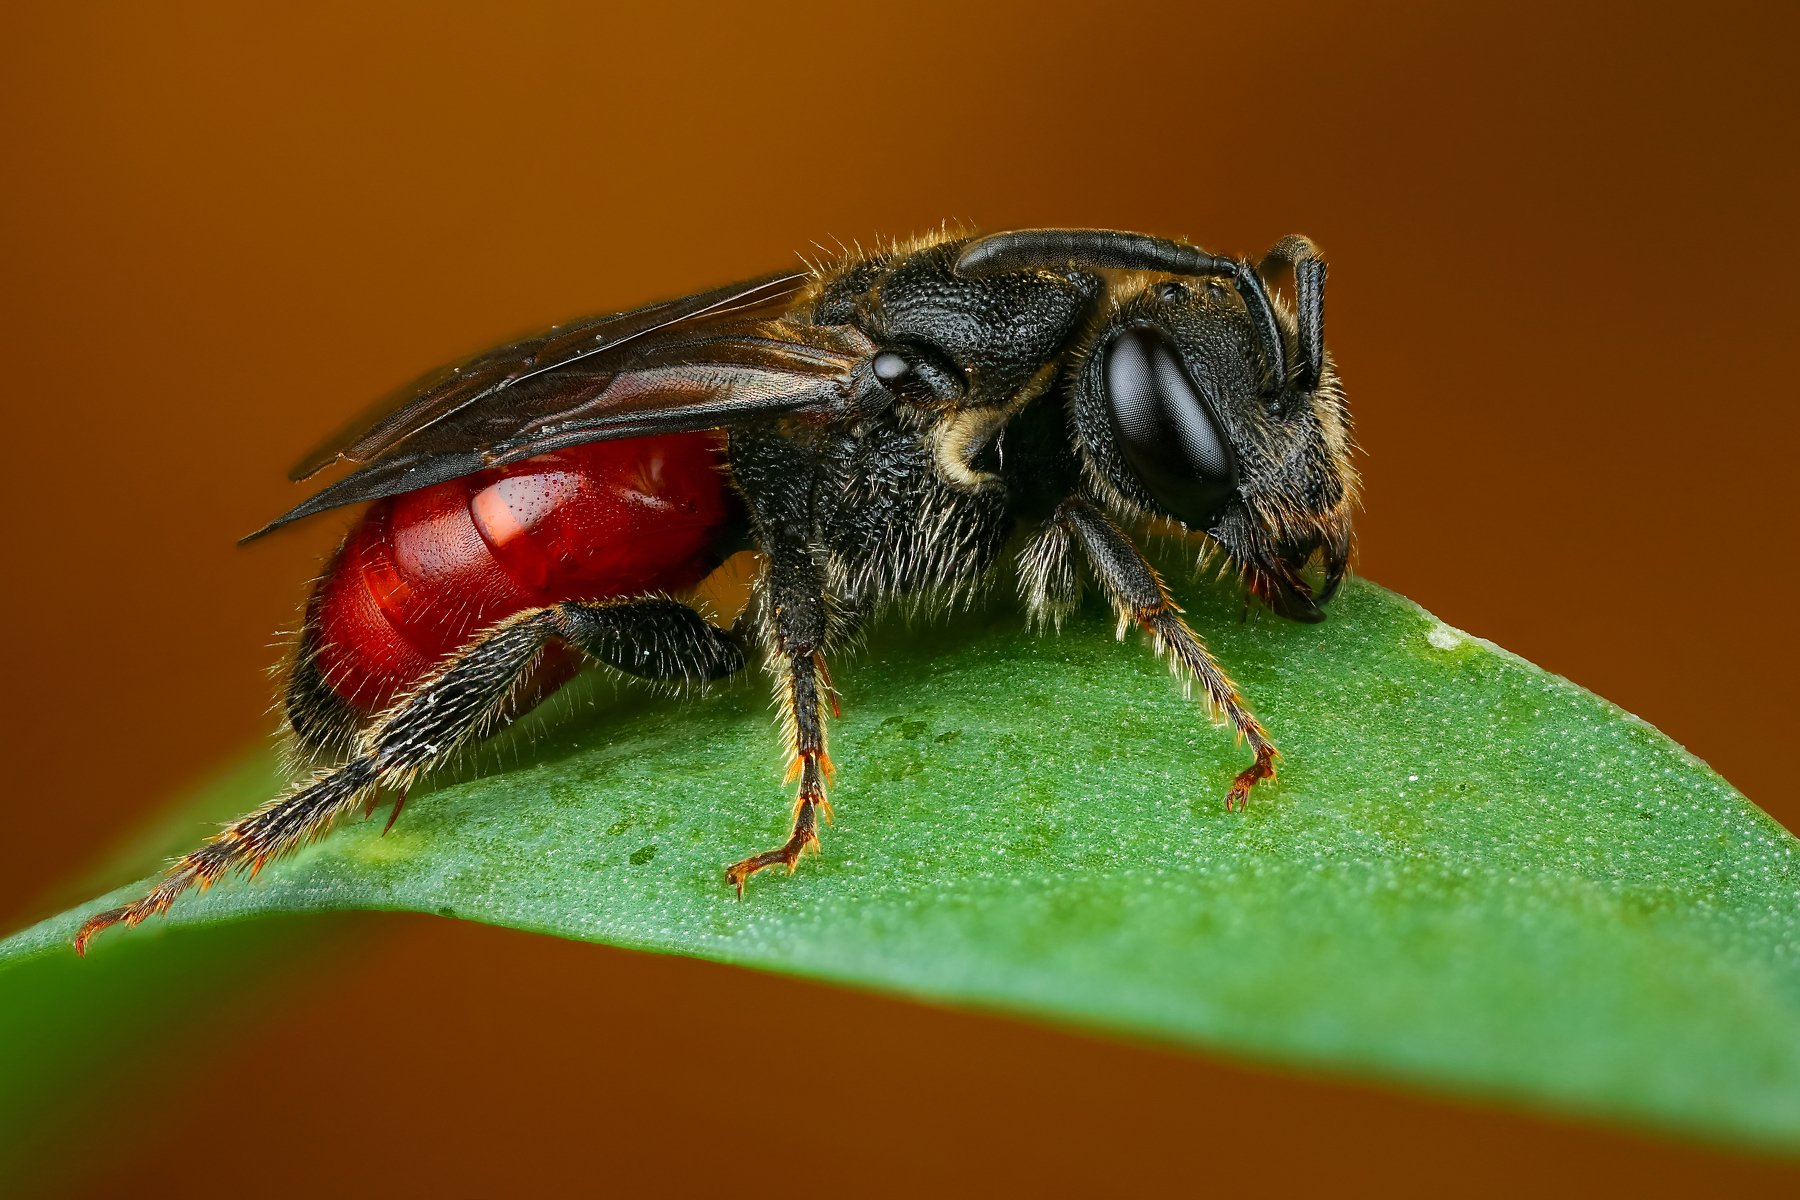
[{"x": 1563, "y": 297}]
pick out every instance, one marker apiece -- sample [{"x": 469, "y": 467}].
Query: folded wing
[{"x": 705, "y": 361}]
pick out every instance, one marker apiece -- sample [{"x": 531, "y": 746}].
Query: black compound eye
[{"x": 1166, "y": 433}]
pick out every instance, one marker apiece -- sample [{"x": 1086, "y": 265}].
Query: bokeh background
[{"x": 1562, "y": 296}]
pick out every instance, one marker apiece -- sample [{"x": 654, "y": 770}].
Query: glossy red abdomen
[{"x": 423, "y": 572}]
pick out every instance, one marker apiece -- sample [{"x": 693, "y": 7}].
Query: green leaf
[{"x": 1470, "y": 875}]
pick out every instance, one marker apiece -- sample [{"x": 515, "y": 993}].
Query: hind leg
[{"x": 472, "y": 693}]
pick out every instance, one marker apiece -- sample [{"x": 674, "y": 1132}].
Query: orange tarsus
[
  {"x": 1263, "y": 768},
  {"x": 88, "y": 929},
  {"x": 788, "y": 854},
  {"x": 96, "y": 923}
]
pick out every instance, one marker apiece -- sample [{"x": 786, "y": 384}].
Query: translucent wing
[{"x": 700, "y": 362}]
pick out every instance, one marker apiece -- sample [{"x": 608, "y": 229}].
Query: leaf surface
[{"x": 1470, "y": 875}]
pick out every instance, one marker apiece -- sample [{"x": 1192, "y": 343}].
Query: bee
[{"x": 879, "y": 428}]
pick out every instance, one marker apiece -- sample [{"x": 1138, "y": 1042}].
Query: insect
[{"x": 882, "y": 427}]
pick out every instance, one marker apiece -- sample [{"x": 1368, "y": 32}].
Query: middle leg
[
  {"x": 797, "y": 619},
  {"x": 801, "y": 682},
  {"x": 800, "y": 619}
]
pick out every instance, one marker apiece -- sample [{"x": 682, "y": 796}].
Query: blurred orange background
[{"x": 1562, "y": 297}]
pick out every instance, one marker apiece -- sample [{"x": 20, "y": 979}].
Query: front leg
[{"x": 1137, "y": 593}]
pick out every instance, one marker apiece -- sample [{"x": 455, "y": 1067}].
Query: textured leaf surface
[{"x": 1471, "y": 874}]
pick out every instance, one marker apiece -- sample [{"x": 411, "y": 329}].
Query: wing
[{"x": 700, "y": 362}]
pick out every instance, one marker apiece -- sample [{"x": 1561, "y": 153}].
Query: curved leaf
[{"x": 1471, "y": 874}]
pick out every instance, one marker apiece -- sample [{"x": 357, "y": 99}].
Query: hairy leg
[
  {"x": 797, "y": 619},
  {"x": 1138, "y": 594},
  {"x": 800, "y": 682},
  {"x": 799, "y": 622},
  {"x": 471, "y": 694}
]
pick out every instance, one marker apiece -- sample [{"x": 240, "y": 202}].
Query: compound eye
[{"x": 1165, "y": 429}]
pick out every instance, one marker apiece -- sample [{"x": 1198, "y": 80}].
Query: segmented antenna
[{"x": 1114, "y": 250}]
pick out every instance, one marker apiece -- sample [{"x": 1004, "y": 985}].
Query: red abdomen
[{"x": 422, "y": 572}]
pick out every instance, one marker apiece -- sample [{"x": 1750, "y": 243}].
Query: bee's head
[{"x": 1204, "y": 400}]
